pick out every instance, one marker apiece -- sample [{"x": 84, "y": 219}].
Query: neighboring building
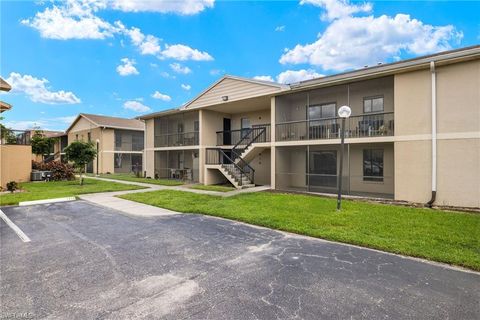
[
  {"x": 61, "y": 142},
  {"x": 119, "y": 142},
  {"x": 414, "y": 132},
  {"x": 15, "y": 149}
]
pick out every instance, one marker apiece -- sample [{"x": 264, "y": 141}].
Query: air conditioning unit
[{"x": 36, "y": 176}]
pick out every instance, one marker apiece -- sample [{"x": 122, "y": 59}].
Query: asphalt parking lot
[{"x": 88, "y": 262}]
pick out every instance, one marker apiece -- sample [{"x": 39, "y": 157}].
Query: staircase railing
[
  {"x": 256, "y": 133},
  {"x": 51, "y": 157},
  {"x": 219, "y": 156}
]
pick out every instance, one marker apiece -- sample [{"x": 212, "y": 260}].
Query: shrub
[
  {"x": 12, "y": 186},
  {"x": 60, "y": 171}
]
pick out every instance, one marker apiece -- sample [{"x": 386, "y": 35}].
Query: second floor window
[
  {"x": 373, "y": 104},
  {"x": 322, "y": 111},
  {"x": 89, "y": 136}
]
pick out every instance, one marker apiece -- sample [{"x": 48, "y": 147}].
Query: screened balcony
[
  {"x": 312, "y": 115},
  {"x": 19, "y": 137},
  {"x": 129, "y": 140},
  {"x": 180, "y": 129}
]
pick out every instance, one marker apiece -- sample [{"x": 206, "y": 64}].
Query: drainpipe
[{"x": 434, "y": 135}]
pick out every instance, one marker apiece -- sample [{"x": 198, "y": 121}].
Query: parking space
[{"x": 85, "y": 261}]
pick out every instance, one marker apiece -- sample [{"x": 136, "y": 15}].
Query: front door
[{"x": 227, "y": 136}]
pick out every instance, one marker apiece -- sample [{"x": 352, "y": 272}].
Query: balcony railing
[
  {"x": 11, "y": 137},
  {"x": 177, "y": 139},
  {"x": 366, "y": 125},
  {"x": 232, "y": 137}
]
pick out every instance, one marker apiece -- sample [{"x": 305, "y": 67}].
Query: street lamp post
[{"x": 344, "y": 113}]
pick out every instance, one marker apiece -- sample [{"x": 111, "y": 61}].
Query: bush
[
  {"x": 60, "y": 171},
  {"x": 12, "y": 186}
]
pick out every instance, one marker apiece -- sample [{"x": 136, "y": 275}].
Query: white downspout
[{"x": 434, "y": 134}]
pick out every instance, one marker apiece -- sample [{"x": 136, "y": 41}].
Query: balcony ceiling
[{"x": 247, "y": 105}]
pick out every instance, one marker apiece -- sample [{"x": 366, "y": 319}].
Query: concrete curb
[{"x": 46, "y": 201}]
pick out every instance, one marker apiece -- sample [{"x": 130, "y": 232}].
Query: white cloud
[
  {"x": 66, "y": 119},
  {"x": 178, "y": 68},
  {"x": 76, "y": 19},
  {"x": 43, "y": 123},
  {"x": 183, "y": 7},
  {"x": 280, "y": 29},
  {"x": 182, "y": 52},
  {"x": 72, "y": 20},
  {"x": 37, "y": 90},
  {"x": 146, "y": 44},
  {"x": 186, "y": 86},
  {"x": 351, "y": 42},
  {"x": 127, "y": 68},
  {"x": 292, "y": 76},
  {"x": 338, "y": 8},
  {"x": 264, "y": 78},
  {"x": 161, "y": 96},
  {"x": 215, "y": 72},
  {"x": 25, "y": 124},
  {"x": 136, "y": 106}
]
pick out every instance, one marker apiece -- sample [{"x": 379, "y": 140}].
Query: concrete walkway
[{"x": 110, "y": 199}]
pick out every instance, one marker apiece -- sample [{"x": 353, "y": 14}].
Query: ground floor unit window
[
  {"x": 367, "y": 169},
  {"x": 127, "y": 163}
]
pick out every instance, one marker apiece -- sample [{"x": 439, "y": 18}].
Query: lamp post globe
[{"x": 344, "y": 112}]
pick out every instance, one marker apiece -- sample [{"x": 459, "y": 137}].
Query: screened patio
[
  {"x": 177, "y": 164},
  {"x": 367, "y": 169}
]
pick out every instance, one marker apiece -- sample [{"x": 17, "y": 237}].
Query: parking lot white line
[{"x": 14, "y": 227}]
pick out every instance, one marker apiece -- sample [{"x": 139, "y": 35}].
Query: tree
[
  {"x": 80, "y": 153},
  {"x": 41, "y": 145}
]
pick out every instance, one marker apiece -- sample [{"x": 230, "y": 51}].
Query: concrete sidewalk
[{"x": 111, "y": 201}]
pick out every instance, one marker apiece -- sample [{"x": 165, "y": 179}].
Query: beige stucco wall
[
  {"x": 106, "y": 140},
  {"x": 355, "y": 169},
  {"x": 255, "y": 117},
  {"x": 261, "y": 165},
  {"x": 458, "y": 127},
  {"x": 15, "y": 163}
]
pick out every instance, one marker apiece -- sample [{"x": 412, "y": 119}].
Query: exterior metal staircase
[{"x": 232, "y": 163}]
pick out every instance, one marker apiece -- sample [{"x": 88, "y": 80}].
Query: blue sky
[{"x": 131, "y": 57}]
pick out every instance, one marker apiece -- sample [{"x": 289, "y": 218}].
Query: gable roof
[
  {"x": 235, "y": 88},
  {"x": 4, "y": 106},
  {"x": 4, "y": 86},
  {"x": 110, "y": 122}
]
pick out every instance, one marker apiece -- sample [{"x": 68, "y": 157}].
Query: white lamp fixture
[{"x": 344, "y": 112}]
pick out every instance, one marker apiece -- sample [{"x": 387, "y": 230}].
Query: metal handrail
[
  {"x": 336, "y": 118},
  {"x": 242, "y": 171}
]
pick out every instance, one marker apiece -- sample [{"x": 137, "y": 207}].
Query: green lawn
[
  {"x": 59, "y": 189},
  {"x": 450, "y": 237},
  {"x": 131, "y": 177},
  {"x": 218, "y": 188}
]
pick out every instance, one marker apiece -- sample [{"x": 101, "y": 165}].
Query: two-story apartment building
[
  {"x": 119, "y": 142},
  {"x": 414, "y": 132}
]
